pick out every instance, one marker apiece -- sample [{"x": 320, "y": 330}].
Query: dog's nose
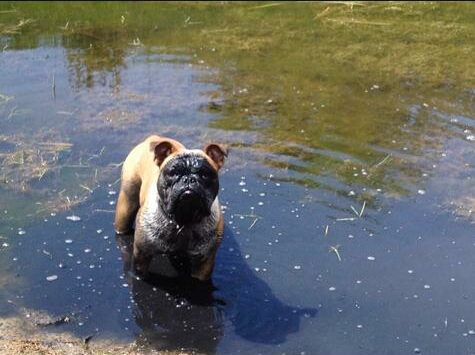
[{"x": 190, "y": 179}]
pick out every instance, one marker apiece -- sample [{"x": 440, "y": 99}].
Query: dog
[{"x": 171, "y": 193}]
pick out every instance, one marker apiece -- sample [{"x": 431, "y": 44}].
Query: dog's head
[{"x": 188, "y": 182}]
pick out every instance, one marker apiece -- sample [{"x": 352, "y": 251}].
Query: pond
[{"x": 348, "y": 194}]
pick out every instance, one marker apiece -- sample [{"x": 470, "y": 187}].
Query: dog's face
[{"x": 188, "y": 182}]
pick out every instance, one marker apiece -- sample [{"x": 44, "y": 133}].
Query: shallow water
[{"x": 348, "y": 194}]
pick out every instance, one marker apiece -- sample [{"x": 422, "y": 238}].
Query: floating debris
[
  {"x": 297, "y": 267},
  {"x": 51, "y": 278},
  {"x": 355, "y": 211},
  {"x": 73, "y": 218},
  {"x": 371, "y": 258},
  {"x": 21, "y": 232},
  {"x": 335, "y": 250},
  {"x": 421, "y": 192},
  {"x": 48, "y": 321},
  {"x": 345, "y": 219},
  {"x": 362, "y": 209},
  {"x": 331, "y": 288},
  {"x": 253, "y": 223},
  {"x": 68, "y": 241}
]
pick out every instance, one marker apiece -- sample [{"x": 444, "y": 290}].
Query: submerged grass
[
  {"x": 334, "y": 76},
  {"x": 15, "y": 28},
  {"x": 30, "y": 160}
]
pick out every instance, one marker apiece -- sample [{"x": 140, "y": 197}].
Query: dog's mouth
[
  {"x": 187, "y": 194},
  {"x": 189, "y": 207}
]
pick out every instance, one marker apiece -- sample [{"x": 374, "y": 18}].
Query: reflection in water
[
  {"x": 173, "y": 313},
  {"x": 330, "y": 107},
  {"x": 182, "y": 313},
  {"x": 94, "y": 58}
]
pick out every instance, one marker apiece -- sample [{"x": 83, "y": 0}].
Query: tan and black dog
[{"x": 170, "y": 192}]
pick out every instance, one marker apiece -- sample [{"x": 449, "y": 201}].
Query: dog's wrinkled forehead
[{"x": 190, "y": 160}]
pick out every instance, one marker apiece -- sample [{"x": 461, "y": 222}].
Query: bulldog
[{"x": 171, "y": 193}]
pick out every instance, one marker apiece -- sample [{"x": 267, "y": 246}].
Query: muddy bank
[{"x": 20, "y": 336}]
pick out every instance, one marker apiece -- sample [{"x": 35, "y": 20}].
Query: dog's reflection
[
  {"x": 174, "y": 313},
  {"x": 179, "y": 313}
]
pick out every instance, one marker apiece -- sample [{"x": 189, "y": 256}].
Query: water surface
[{"x": 348, "y": 194}]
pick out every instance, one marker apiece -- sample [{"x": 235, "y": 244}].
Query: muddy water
[{"x": 348, "y": 194}]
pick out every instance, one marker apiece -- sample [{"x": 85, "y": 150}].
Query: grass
[
  {"x": 29, "y": 161},
  {"x": 14, "y": 29}
]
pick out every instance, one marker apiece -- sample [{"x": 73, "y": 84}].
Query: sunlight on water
[{"x": 348, "y": 194}]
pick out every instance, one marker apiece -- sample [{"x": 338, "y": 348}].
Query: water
[{"x": 348, "y": 192}]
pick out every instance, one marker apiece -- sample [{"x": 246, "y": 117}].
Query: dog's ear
[
  {"x": 163, "y": 147},
  {"x": 217, "y": 153}
]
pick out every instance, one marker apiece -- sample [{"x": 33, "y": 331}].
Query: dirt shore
[{"x": 18, "y": 336}]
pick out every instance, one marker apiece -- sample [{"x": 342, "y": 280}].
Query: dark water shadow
[
  {"x": 256, "y": 314},
  {"x": 182, "y": 313}
]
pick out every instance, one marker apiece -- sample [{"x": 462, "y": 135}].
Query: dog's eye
[
  {"x": 204, "y": 175},
  {"x": 174, "y": 172}
]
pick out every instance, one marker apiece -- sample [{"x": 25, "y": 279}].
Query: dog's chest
[
  {"x": 183, "y": 240},
  {"x": 165, "y": 236}
]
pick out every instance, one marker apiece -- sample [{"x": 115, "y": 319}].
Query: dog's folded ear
[
  {"x": 217, "y": 153},
  {"x": 163, "y": 147}
]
